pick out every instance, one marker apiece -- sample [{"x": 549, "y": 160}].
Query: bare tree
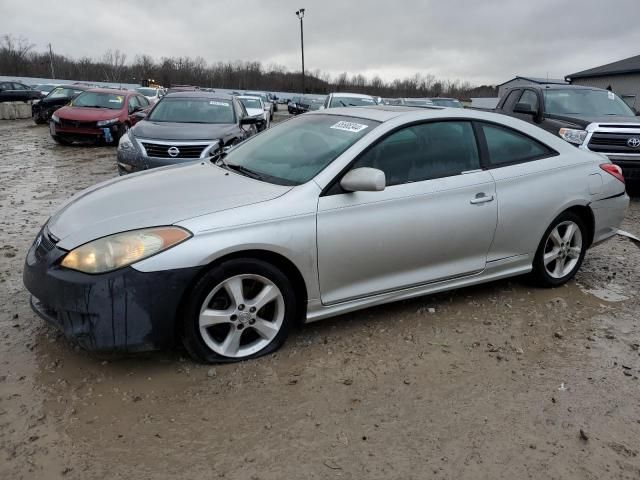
[
  {"x": 13, "y": 54},
  {"x": 113, "y": 65}
]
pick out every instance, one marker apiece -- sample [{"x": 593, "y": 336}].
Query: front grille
[
  {"x": 612, "y": 142},
  {"x": 76, "y": 124},
  {"x": 162, "y": 151}
]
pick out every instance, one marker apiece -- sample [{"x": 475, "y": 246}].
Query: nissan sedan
[{"x": 327, "y": 213}]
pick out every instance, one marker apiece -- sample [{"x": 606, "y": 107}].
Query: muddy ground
[{"x": 496, "y": 381}]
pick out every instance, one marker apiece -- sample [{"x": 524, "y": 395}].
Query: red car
[{"x": 98, "y": 115}]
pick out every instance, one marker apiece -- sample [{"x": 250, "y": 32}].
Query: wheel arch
[
  {"x": 276, "y": 259},
  {"x": 586, "y": 214}
]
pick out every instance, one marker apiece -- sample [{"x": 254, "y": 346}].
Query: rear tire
[
  {"x": 561, "y": 251},
  {"x": 225, "y": 319}
]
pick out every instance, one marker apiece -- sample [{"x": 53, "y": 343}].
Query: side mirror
[
  {"x": 250, "y": 120},
  {"x": 364, "y": 179},
  {"x": 139, "y": 114},
  {"x": 524, "y": 108}
]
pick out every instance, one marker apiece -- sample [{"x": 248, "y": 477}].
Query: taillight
[{"x": 612, "y": 169}]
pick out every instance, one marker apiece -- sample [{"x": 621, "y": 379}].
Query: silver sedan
[{"x": 327, "y": 213}]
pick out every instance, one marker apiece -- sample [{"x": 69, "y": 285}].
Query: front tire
[
  {"x": 561, "y": 251},
  {"x": 239, "y": 310}
]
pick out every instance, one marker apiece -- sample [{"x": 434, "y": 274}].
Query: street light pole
[{"x": 300, "y": 15}]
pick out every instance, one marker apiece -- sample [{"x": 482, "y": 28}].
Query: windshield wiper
[
  {"x": 244, "y": 170},
  {"x": 343, "y": 104}
]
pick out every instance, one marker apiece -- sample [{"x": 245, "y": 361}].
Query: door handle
[{"x": 481, "y": 198}]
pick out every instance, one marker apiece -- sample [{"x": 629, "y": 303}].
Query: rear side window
[{"x": 506, "y": 146}]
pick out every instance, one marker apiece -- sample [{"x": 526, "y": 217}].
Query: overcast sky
[{"x": 482, "y": 41}]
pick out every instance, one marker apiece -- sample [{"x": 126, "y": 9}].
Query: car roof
[
  {"x": 384, "y": 113},
  {"x": 351, "y": 95},
  {"x": 113, "y": 91},
  {"x": 555, "y": 86},
  {"x": 199, "y": 94}
]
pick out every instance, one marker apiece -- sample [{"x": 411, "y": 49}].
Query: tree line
[{"x": 18, "y": 57}]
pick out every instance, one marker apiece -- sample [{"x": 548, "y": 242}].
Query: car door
[
  {"x": 435, "y": 220},
  {"x": 530, "y": 183},
  {"x": 21, "y": 92}
]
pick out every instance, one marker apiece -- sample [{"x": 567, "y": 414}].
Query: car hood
[
  {"x": 181, "y": 131},
  {"x": 584, "y": 120},
  {"x": 255, "y": 112},
  {"x": 162, "y": 196},
  {"x": 87, "y": 113}
]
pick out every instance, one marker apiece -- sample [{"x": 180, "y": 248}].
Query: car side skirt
[{"x": 495, "y": 270}]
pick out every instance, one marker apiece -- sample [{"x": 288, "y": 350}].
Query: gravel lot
[{"x": 497, "y": 381}]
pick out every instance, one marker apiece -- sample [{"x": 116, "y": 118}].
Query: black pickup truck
[{"x": 590, "y": 118}]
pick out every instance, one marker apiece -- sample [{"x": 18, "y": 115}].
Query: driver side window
[
  {"x": 133, "y": 103},
  {"x": 424, "y": 152}
]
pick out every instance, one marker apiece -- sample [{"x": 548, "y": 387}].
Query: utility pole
[
  {"x": 53, "y": 72},
  {"x": 300, "y": 15}
]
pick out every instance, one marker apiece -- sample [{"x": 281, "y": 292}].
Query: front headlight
[
  {"x": 125, "y": 142},
  {"x": 55, "y": 118},
  {"x": 122, "y": 249},
  {"x": 572, "y": 135},
  {"x": 104, "y": 123}
]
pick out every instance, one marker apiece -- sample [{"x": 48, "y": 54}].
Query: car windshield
[
  {"x": 446, "y": 102},
  {"x": 295, "y": 151},
  {"x": 251, "y": 102},
  {"x": 352, "y": 101},
  {"x": 192, "y": 110},
  {"x": 417, "y": 102},
  {"x": 593, "y": 103},
  {"x": 99, "y": 100},
  {"x": 147, "y": 92},
  {"x": 61, "y": 92},
  {"x": 44, "y": 88},
  {"x": 263, "y": 96}
]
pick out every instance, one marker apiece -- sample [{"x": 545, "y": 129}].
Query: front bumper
[
  {"x": 108, "y": 134},
  {"x": 125, "y": 310},
  {"x": 134, "y": 161}
]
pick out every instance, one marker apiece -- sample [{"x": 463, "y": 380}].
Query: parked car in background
[
  {"x": 183, "y": 127},
  {"x": 416, "y": 102},
  {"x": 292, "y": 105},
  {"x": 334, "y": 100},
  {"x": 58, "y": 97},
  {"x": 152, "y": 94},
  {"x": 587, "y": 117},
  {"x": 372, "y": 206},
  {"x": 446, "y": 102},
  {"x": 255, "y": 108},
  {"x": 268, "y": 104},
  {"x": 97, "y": 115},
  {"x": 309, "y": 103},
  {"x": 17, "y": 92},
  {"x": 45, "y": 88}
]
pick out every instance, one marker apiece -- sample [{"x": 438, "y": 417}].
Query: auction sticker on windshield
[
  {"x": 349, "y": 126},
  {"x": 220, "y": 104}
]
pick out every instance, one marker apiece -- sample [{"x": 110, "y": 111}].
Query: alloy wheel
[
  {"x": 562, "y": 249},
  {"x": 241, "y": 315}
]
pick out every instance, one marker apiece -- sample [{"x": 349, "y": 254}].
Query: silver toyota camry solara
[{"x": 324, "y": 214}]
